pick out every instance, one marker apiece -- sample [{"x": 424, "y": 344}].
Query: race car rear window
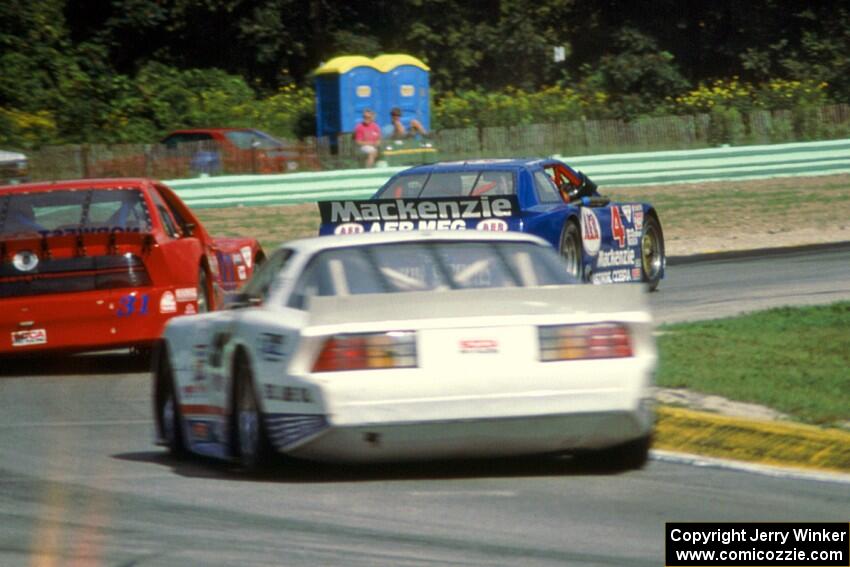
[
  {"x": 449, "y": 184},
  {"x": 73, "y": 211},
  {"x": 402, "y": 267}
]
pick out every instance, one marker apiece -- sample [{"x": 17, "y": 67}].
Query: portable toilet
[
  {"x": 345, "y": 86},
  {"x": 404, "y": 85}
]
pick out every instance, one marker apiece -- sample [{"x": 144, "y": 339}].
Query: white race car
[{"x": 411, "y": 345}]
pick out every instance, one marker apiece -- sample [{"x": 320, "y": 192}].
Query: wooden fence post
[{"x": 84, "y": 160}]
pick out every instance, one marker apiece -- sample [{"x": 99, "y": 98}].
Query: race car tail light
[
  {"x": 580, "y": 342},
  {"x": 367, "y": 351}
]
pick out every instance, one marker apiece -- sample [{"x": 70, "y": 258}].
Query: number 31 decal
[
  {"x": 617, "y": 230},
  {"x": 132, "y": 305}
]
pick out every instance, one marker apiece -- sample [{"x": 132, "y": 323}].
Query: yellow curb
[{"x": 766, "y": 442}]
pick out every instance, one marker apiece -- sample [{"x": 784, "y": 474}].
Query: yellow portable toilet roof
[
  {"x": 383, "y": 63},
  {"x": 391, "y": 61},
  {"x": 344, "y": 64}
]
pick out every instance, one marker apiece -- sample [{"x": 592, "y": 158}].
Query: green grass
[
  {"x": 718, "y": 209},
  {"x": 270, "y": 225},
  {"x": 795, "y": 360},
  {"x": 763, "y": 195}
]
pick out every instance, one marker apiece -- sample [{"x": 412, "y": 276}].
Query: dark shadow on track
[
  {"x": 116, "y": 362},
  {"x": 291, "y": 471}
]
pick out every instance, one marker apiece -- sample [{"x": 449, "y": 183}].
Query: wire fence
[{"x": 576, "y": 138}]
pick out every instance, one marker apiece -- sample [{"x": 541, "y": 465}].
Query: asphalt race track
[
  {"x": 720, "y": 285},
  {"x": 82, "y": 484}
]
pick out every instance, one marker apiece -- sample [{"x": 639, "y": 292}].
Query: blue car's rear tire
[
  {"x": 570, "y": 249},
  {"x": 652, "y": 252}
]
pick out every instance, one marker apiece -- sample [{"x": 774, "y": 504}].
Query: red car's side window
[
  {"x": 174, "y": 140},
  {"x": 186, "y": 221},
  {"x": 165, "y": 217}
]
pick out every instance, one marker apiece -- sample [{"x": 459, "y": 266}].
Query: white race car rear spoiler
[{"x": 627, "y": 303}]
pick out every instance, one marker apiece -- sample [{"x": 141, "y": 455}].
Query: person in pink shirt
[{"x": 367, "y": 136}]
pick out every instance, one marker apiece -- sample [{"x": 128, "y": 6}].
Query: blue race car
[{"x": 601, "y": 241}]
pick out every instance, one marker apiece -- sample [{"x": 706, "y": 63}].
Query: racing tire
[
  {"x": 251, "y": 446},
  {"x": 570, "y": 249},
  {"x": 168, "y": 415},
  {"x": 652, "y": 252},
  {"x": 203, "y": 291},
  {"x": 631, "y": 455}
]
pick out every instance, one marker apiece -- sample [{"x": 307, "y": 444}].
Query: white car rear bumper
[
  {"x": 408, "y": 414},
  {"x": 493, "y": 437}
]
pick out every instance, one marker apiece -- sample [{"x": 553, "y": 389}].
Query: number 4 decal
[{"x": 617, "y": 230}]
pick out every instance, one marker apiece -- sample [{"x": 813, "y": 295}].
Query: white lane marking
[
  {"x": 453, "y": 493},
  {"x": 767, "y": 470},
  {"x": 103, "y": 423}
]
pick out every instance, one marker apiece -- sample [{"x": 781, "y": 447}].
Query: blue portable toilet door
[
  {"x": 407, "y": 89},
  {"x": 361, "y": 87},
  {"x": 328, "y": 105}
]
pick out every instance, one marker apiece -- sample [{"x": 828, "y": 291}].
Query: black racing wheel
[
  {"x": 252, "y": 447},
  {"x": 570, "y": 249},
  {"x": 168, "y": 415},
  {"x": 652, "y": 252}
]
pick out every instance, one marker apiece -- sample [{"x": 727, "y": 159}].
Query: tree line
[{"x": 129, "y": 70}]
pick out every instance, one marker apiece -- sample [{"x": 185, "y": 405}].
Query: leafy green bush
[
  {"x": 19, "y": 129},
  {"x": 725, "y": 126},
  {"x": 723, "y": 93},
  {"x": 289, "y": 113},
  {"x": 512, "y": 107},
  {"x": 782, "y": 128}
]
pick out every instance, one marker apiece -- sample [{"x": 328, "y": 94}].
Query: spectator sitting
[
  {"x": 367, "y": 135},
  {"x": 396, "y": 130}
]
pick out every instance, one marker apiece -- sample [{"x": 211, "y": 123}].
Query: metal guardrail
[
  {"x": 717, "y": 164},
  {"x": 612, "y": 170},
  {"x": 291, "y": 188}
]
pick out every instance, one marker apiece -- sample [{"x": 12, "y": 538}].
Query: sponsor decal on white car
[{"x": 478, "y": 346}]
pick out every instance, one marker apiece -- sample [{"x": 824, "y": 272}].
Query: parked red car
[
  {"x": 93, "y": 264},
  {"x": 207, "y": 151}
]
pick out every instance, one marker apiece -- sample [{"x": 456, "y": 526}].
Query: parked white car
[
  {"x": 414, "y": 345},
  {"x": 14, "y": 168}
]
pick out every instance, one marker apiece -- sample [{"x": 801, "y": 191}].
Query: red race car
[{"x": 104, "y": 263}]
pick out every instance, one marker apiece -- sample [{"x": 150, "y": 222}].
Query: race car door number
[{"x": 29, "y": 337}]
